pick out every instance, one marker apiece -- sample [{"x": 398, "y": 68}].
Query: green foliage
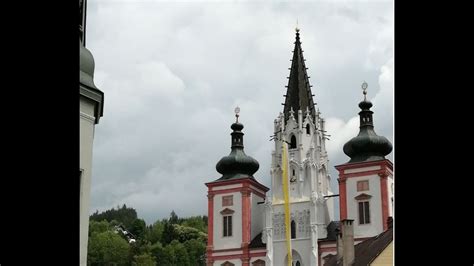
[
  {"x": 145, "y": 259},
  {"x": 169, "y": 233},
  {"x": 173, "y": 241},
  {"x": 173, "y": 218},
  {"x": 124, "y": 215},
  {"x": 155, "y": 232},
  {"x": 184, "y": 233},
  {"x": 198, "y": 222},
  {"x": 196, "y": 251},
  {"x": 142, "y": 246},
  {"x": 158, "y": 251},
  {"x": 138, "y": 228},
  {"x": 114, "y": 223},
  {"x": 98, "y": 227},
  {"x": 108, "y": 248},
  {"x": 175, "y": 254}
]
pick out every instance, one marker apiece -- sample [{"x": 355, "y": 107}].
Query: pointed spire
[{"x": 298, "y": 94}]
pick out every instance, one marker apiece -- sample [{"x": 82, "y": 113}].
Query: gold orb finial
[
  {"x": 237, "y": 111},
  {"x": 364, "y": 89}
]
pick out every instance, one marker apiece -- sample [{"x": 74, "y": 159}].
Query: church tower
[
  {"x": 366, "y": 181},
  {"x": 302, "y": 127},
  {"x": 235, "y": 212},
  {"x": 91, "y": 109}
]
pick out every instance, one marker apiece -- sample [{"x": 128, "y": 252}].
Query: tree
[
  {"x": 145, "y": 259},
  {"x": 167, "y": 256},
  {"x": 181, "y": 254},
  {"x": 108, "y": 248},
  {"x": 184, "y": 233},
  {"x": 173, "y": 218},
  {"x": 196, "y": 251},
  {"x": 196, "y": 222},
  {"x": 155, "y": 232},
  {"x": 169, "y": 233},
  {"x": 98, "y": 227},
  {"x": 138, "y": 228},
  {"x": 141, "y": 246},
  {"x": 158, "y": 251},
  {"x": 123, "y": 215},
  {"x": 176, "y": 254}
]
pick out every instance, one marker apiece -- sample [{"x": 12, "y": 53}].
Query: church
[{"x": 246, "y": 224}]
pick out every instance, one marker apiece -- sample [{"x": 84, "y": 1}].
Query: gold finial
[
  {"x": 237, "y": 111},
  {"x": 364, "y": 89}
]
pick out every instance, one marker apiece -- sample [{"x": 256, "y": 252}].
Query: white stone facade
[
  {"x": 309, "y": 183},
  {"x": 86, "y": 137}
]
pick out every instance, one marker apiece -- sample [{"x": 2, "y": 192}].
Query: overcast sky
[{"x": 172, "y": 74}]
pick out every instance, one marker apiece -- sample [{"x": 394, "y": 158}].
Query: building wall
[
  {"x": 330, "y": 206},
  {"x": 325, "y": 248},
  {"x": 86, "y": 136},
  {"x": 302, "y": 242},
  {"x": 236, "y": 262},
  {"x": 302, "y": 246},
  {"x": 257, "y": 213},
  {"x": 375, "y": 226},
  {"x": 390, "y": 189},
  {"x": 385, "y": 258},
  {"x": 234, "y": 241},
  {"x": 279, "y": 223}
]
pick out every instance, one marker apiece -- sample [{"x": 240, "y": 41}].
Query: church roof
[
  {"x": 298, "y": 93},
  {"x": 257, "y": 242},
  {"x": 366, "y": 251}
]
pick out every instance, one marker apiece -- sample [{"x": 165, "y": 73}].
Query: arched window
[
  {"x": 308, "y": 131},
  {"x": 293, "y": 142},
  {"x": 296, "y": 259},
  {"x": 258, "y": 263},
  {"x": 293, "y": 177},
  {"x": 293, "y": 229}
]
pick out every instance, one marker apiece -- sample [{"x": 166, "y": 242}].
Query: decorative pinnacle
[
  {"x": 297, "y": 29},
  {"x": 237, "y": 111},
  {"x": 364, "y": 89}
]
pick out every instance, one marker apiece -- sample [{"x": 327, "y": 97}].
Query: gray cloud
[{"x": 172, "y": 73}]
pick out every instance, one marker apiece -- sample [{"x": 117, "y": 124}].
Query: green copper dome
[
  {"x": 237, "y": 164},
  {"x": 367, "y": 145}
]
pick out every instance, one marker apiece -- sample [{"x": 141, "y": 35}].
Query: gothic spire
[{"x": 298, "y": 94}]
